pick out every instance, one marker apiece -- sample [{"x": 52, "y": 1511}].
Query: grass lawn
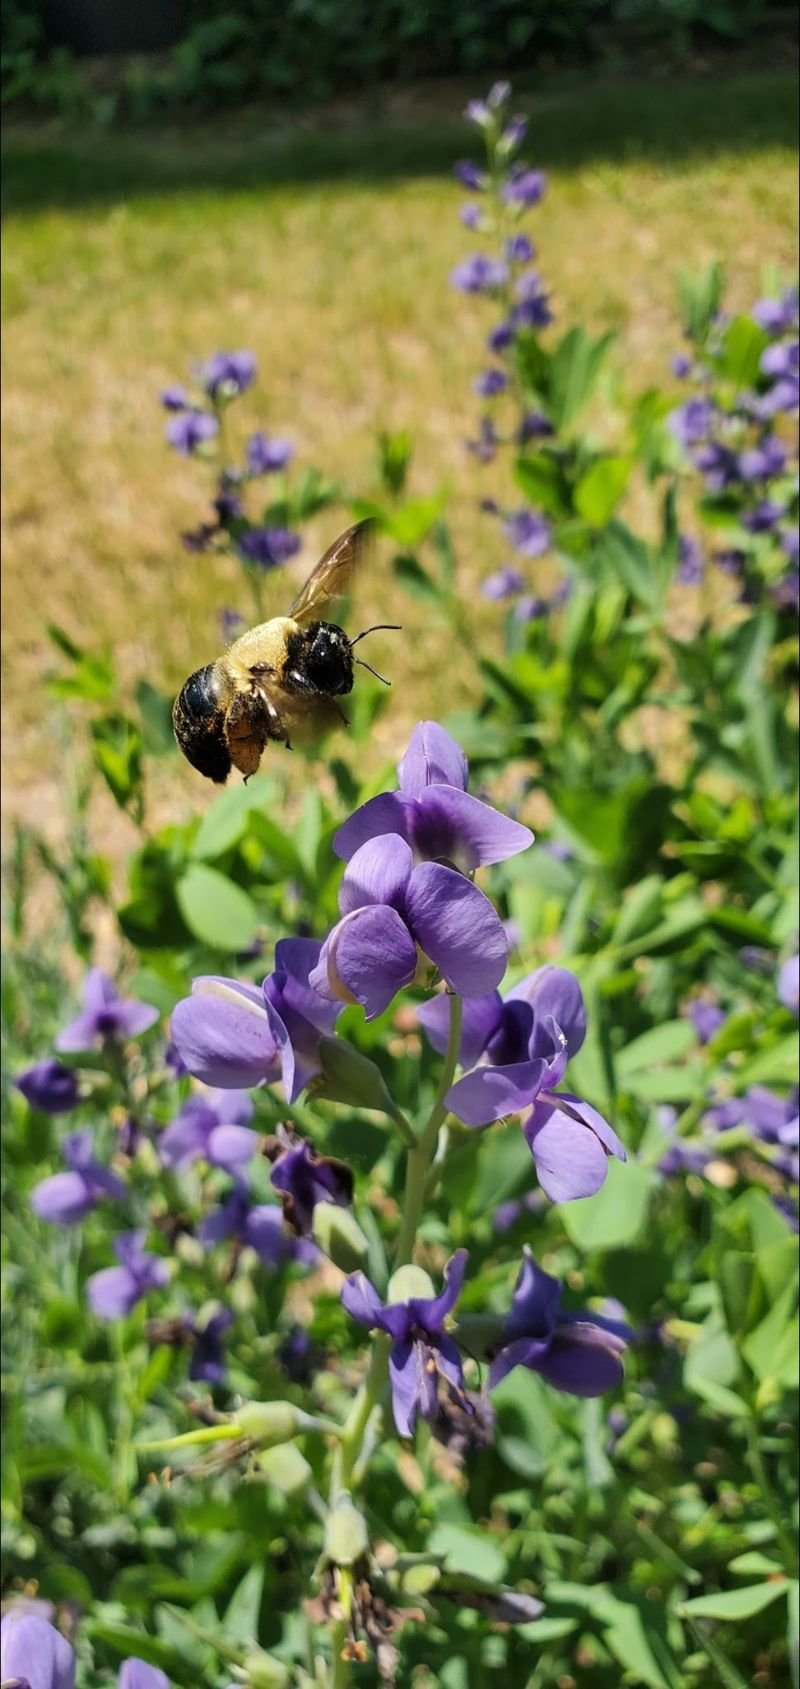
[{"x": 326, "y": 248}]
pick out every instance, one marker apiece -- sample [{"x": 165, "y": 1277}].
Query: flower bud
[
  {"x": 346, "y": 1539},
  {"x": 348, "y": 1076},
  {"x": 265, "y": 1672},
  {"x": 270, "y": 1423},
  {"x": 286, "y": 1469},
  {"x": 338, "y": 1233},
  {"x": 408, "y": 1282}
]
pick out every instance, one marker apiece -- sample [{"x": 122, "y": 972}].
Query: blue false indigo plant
[{"x": 411, "y": 918}]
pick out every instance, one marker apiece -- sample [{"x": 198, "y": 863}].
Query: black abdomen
[{"x": 198, "y": 718}]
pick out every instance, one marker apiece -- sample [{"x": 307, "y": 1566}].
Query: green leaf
[
  {"x": 664, "y": 1043},
  {"x": 227, "y": 819},
  {"x": 599, "y": 491},
  {"x": 754, "y": 1562},
  {"x": 742, "y": 346},
  {"x": 241, "y": 1618},
  {"x": 468, "y": 1549},
  {"x": 216, "y": 910},
  {"x": 712, "y": 1363},
  {"x": 615, "y": 1216},
  {"x": 541, "y": 478},
  {"x": 574, "y": 370},
  {"x": 416, "y": 581},
  {"x": 733, "y": 1604},
  {"x": 409, "y": 525},
  {"x": 772, "y": 1349},
  {"x": 777, "y": 1065}
]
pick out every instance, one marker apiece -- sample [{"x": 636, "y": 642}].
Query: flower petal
[
  {"x": 492, "y": 1092},
  {"x": 223, "y": 1036},
  {"x": 377, "y": 873},
  {"x": 431, "y": 1311},
  {"x": 447, "y": 823},
  {"x": 555, "y": 991},
  {"x": 63, "y": 1199},
  {"x": 535, "y": 1303},
  {"x": 449, "y": 1364},
  {"x": 582, "y": 1359},
  {"x": 387, "y": 813},
  {"x": 137, "y": 1674},
  {"x": 524, "y": 1351},
  {"x": 481, "y": 1017},
  {"x": 570, "y": 1161},
  {"x": 591, "y": 1117},
  {"x": 113, "y": 1292},
  {"x": 432, "y": 759},
  {"x": 187, "y": 1138},
  {"x": 232, "y": 1146},
  {"x": 403, "y": 1375},
  {"x": 371, "y": 955},
  {"x": 34, "y": 1652},
  {"x": 294, "y": 960},
  {"x": 361, "y": 1301},
  {"x": 458, "y": 928}
]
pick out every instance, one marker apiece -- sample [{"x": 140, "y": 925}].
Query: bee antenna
[
  {"x": 363, "y": 665},
  {"x": 380, "y": 627}
]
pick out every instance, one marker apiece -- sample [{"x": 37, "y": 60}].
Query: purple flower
[
  {"x": 137, "y": 1674},
  {"x": 529, "y": 608},
  {"x": 785, "y": 594},
  {"x": 706, "y": 1018},
  {"x": 433, "y": 812},
  {"x": 269, "y": 547},
  {"x": 105, "y": 1015},
  {"x": 533, "y": 308},
  {"x": 763, "y": 517},
  {"x": 780, "y": 360},
  {"x": 528, "y": 531},
  {"x": 782, "y": 396},
  {"x": 485, "y": 447},
  {"x": 534, "y": 426},
  {"x": 191, "y": 429},
  {"x": 731, "y": 562},
  {"x": 49, "y": 1086},
  {"x": 34, "y": 1653},
  {"x": 116, "y": 1290},
  {"x": 392, "y": 910},
  {"x": 690, "y": 561},
  {"x": 576, "y": 1352},
  {"x": 769, "y": 1117},
  {"x": 790, "y": 543},
  {"x": 259, "y": 1227},
  {"x": 175, "y": 399},
  {"x": 264, "y": 455},
  {"x": 469, "y": 175},
  {"x": 235, "y": 1035},
  {"x": 421, "y": 1351},
  {"x": 693, "y": 421},
  {"x": 208, "y": 1362},
  {"x": 231, "y": 624},
  {"x": 503, "y": 583},
  {"x": 519, "y": 249},
  {"x": 212, "y": 1128},
  {"x": 514, "y": 133},
  {"x": 471, "y": 216},
  {"x": 298, "y": 1355},
  {"x": 525, "y": 188},
  {"x": 761, "y": 461},
  {"x": 227, "y": 374},
  {"x": 67, "y": 1198},
  {"x": 681, "y": 366},
  {"x": 489, "y": 383},
  {"x": 521, "y": 1044},
  {"x": 789, "y": 985},
  {"x": 501, "y": 337},
  {"x": 228, "y": 503},
  {"x": 718, "y": 464},
  {"x": 777, "y": 316},
  {"x": 302, "y": 1179},
  {"x": 561, "y": 595},
  {"x": 479, "y": 274}
]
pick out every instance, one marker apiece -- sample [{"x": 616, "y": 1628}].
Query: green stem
[
  {"x": 419, "y": 1158},
  {"x": 770, "y": 1505}
]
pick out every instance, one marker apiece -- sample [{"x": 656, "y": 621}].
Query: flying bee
[{"x": 279, "y": 681}]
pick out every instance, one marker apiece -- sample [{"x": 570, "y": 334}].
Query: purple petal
[
  {"x": 49, "y": 1086},
  {"x": 134, "y": 1018},
  {"x": 369, "y": 956},
  {"x": 361, "y": 1301},
  {"x": 789, "y": 984},
  {"x": 458, "y": 928},
  {"x": 63, "y": 1199},
  {"x": 570, "y": 1161},
  {"x": 555, "y": 992},
  {"x": 232, "y": 1146},
  {"x": 535, "y": 1303},
  {"x": 113, "y": 1292},
  {"x": 387, "y": 813},
  {"x": 524, "y": 1351},
  {"x": 294, "y": 960},
  {"x": 35, "y": 1652},
  {"x": 449, "y": 1363},
  {"x": 447, "y": 823},
  {"x": 405, "y": 1382},
  {"x": 225, "y": 1221},
  {"x": 481, "y": 1017},
  {"x": 431, "y": 1311},
  {"x": 136, "y": 1674},
  {"x": 377, "y": 873},
  {"x": 187, "y": 1138},
  {"x": 223, "y": 1036},
  {"x": 432, "y": 759},
  {"x": 583, "y": 1359},
  {"x": 490, "y": 1093},
  {"x": 591, "y": 1117}
]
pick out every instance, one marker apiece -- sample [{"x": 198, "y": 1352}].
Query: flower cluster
[
  {"x": 34, "y": 1654},
  {"x": 197, "y": 427},
  {"x": 743, "y": 442},
  {"x": 507, "y": 190}
]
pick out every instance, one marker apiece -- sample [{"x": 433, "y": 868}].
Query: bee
[{"x": 280, "y": 681}]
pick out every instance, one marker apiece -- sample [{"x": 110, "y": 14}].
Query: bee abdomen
[{"x": 198, "y": 718}]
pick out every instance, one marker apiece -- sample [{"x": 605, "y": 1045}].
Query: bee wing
[{"x": 334, "y": 571}]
